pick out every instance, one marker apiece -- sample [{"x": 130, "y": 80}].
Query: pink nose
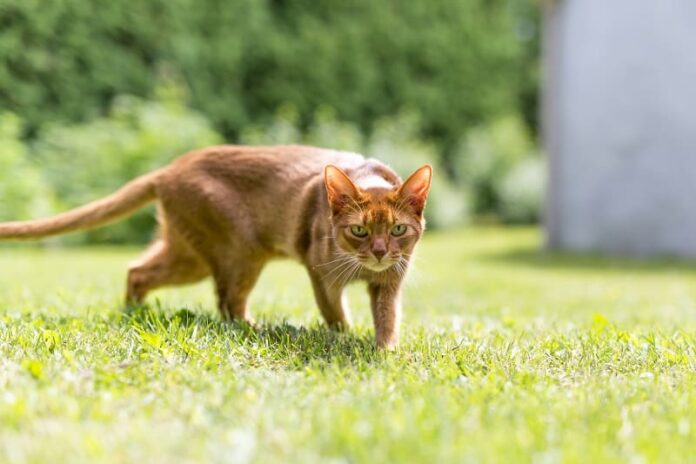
[{"x": 379, "y": 249}]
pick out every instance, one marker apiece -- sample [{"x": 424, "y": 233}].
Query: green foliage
[
  {"x": 281, "y": 130},
  {"x": 327, "y": 131},
  {"x": 23, "y": 191},
  {"x": 394, "y": 141},
  {"x": 497, "y": 172},
  {"x": 85, "y": 79},
  {"x": 85, "y": 162},
  {"x": 522, "y": 191},
  {"x": 459, "y": 62},
  {"x": 497, "y": 168},
  {"x": 498, "y": 164},
  {"x": 508, "y": 355}
]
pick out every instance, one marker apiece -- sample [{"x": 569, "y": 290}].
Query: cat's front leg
[
  {"x": 385, "y": 300},
  {"x": 331, "y": 302}
]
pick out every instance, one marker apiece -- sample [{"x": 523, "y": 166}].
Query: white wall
[{"x": 620, "y": 126}]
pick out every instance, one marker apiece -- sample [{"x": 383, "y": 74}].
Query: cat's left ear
[
  {"x": 339, "y": 188},
  {"x": 415, "y": 189}
]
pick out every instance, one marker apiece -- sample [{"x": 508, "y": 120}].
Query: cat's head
[{"x": 375, "y": 223}]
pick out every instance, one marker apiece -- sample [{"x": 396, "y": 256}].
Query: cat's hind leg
[
  {"x": 164, "y": 263},
  {"x": 234, "y": 280}
]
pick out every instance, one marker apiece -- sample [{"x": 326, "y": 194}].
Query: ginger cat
[{"x": 227, "y": 210}]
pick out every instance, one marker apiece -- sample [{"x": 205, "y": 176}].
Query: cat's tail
[{"x": 128, "y": 199}]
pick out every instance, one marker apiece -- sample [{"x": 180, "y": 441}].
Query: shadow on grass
[
  {"x": 536, "y": 258},
  {"x": 280, "y": 341}
]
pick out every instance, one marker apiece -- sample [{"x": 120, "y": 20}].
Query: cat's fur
[{"x": 227, "y": 210}]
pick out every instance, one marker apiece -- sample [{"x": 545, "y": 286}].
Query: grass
[{"x": 508, "y": 355}]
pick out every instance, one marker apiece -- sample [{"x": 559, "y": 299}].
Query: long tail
[{"x": 128, "y": 199}]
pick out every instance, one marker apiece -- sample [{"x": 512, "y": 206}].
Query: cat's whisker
[
  {"x": 337, "y": 270},
  {"x": 345, "y": 275},
  {"x": 356, "y": 265},
  {"x": 402, "y": 267},
  {"x": 356, "y": 208},
  {"x": 339, "y": 267},
  {"x": 337, "y": 277},
  {"x": 356, "y": 204},
  {"x": 342, "y": 278},
  {"x": 411, "y": 269},
  {"x": 400, "y": 205},
  {"x": 356, "y": 270},
  {"x": 399, "y": 266},
  {"x": 341, "y": 257}
]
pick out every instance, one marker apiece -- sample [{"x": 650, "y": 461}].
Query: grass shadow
[
  {"x": 280, "y": 341},
  {"x": 565, "y": 261}
]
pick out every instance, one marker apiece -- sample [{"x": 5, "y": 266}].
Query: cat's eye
[
  {"x": 399, "y": 229},
  {"x": 358, "y": 231}
]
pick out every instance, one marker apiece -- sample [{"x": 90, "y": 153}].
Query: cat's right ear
[{"x": 339, "y": 188}]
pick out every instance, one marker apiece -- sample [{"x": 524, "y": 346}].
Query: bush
[
  {"x": 282, "y": 130},
  {"x": 500, "y": 168},
  {"x": 460, "y": 62},
  {"x": 395, "y": 141},
  {"x": 522, "y": 191},
  {"x": 86, "y": 162},
  {"x": 23, "y": 191},
  {"x": 497, "y": 170},
  {"x": 327, "y": 131}
]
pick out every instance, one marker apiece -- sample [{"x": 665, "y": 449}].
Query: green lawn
[{"x": 508, "y": 355}]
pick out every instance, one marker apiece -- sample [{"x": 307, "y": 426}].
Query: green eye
[
  {"x": 358, "y": 231},
  {"x": 399, "y": 229}
]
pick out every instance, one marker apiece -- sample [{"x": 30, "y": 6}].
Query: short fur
[{"x": 227, "y": 210}]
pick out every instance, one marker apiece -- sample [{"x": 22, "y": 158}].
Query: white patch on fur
[
  {"x": 373, "y": 182},
  {"x": 378, "y": 266}
]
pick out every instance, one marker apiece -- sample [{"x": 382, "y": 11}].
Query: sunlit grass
[{"x": 508, "y": 355}]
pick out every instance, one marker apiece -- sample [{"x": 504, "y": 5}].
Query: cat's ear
[
  {"x": 339, "y": 188},
  {"x": 415, "y": 189}
]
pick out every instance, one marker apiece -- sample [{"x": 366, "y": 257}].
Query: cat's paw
[
  {"x": 246, "y": 322},
  {"x": 387, "y": 345},
  {"x": 341, "y": 326}
]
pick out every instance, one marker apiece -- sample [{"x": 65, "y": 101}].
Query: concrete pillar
[{"x": 620, "y": 126}]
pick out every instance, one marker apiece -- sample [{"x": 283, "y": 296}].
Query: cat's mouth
[{"x": 377, "y": 266}]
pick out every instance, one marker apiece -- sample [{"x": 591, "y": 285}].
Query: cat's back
[
  {"x": 289, "y": 162},
  {"x": 272, "y": 182}
]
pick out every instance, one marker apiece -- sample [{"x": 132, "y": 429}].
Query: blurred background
[{"x": 93, "y": 94}]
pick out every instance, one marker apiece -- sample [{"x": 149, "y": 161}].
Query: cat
[{"x": 225, "y": 211}]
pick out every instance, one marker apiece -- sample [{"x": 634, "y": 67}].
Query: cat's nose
[{"x": 379, "y": 249}]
